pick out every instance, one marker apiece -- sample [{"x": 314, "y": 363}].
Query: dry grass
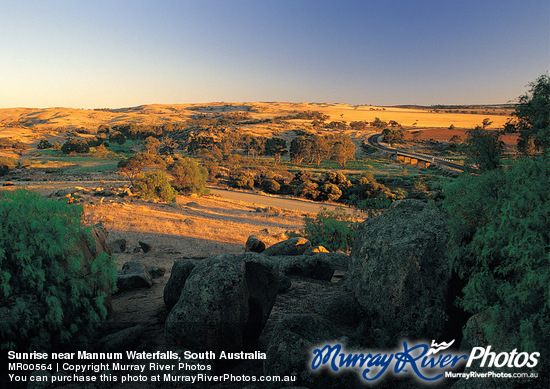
[{"x": 193, "y": 227}]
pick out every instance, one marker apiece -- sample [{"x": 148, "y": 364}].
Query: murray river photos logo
[{"x": 427, "y": 363}]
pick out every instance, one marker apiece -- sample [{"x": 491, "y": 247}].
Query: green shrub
[
  {"x": 189, "y": 176},
  {"x": 74, "y": 145},
  {"x": 271, "y": 186},
  {"x": 49, "y": 291},
  {"x": 329, "y": 192},
  {"x": 335, "y": 230},
  {"x": 241, "y": 179},
  {"x": 500, "y": 225},
  {"x": 44, "y": 144},
  {"x": 154, "y": 185}
]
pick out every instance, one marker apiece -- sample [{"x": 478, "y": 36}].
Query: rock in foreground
[{"x": 398, "y": 273}]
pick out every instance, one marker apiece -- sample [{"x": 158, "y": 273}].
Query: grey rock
[
  {"x": 398, "y": 272},
  {"x": 309, "y": 266},
  {"x": 178, "y": 276},
  {"x": 284, "y": 283},
  {"x": 117, "y": 246},
  {"x": 133, "y": 276},
  {"x": 293, "y": 246},
  {"x": 146, "y": 247},
  {"x": 134, "y": 249},
  {"x": 155, "y": 271},
  {"x": 224, "y": 304},
  {"x": 254, "y": 244}
]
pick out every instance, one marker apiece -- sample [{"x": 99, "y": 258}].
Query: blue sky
[{"x": 92, "y": 54}]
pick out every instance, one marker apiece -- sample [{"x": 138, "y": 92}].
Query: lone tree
[
  {"x": 189, "y": 176},
  {"x": 484, "y": 148},
  {"x": 392, "y": 135},
  {"x": 532, "y": 118}
]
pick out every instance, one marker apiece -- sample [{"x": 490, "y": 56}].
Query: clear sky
[{"x": 94, "y": 54}]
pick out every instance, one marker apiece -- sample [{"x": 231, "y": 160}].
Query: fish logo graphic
[{"x": 439, "y": 347}]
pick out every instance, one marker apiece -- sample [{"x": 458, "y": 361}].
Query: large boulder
[
  {"x": 224, "y": 304},
  {"x": 398, "y": 273},
  {"x": 180, "y": 272},
  {"x": 289, "y": 352},
  {"x": 292, "y": 246}
]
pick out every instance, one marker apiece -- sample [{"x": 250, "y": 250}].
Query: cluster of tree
[
  {"x": 187, "y": 176},
  {"x": 318, "y": 148},
  {"x": 306, "y": 115},
  {"x": 363, "y": 191},
  {"x": 218, "y": 120},
  {"x": 74, "y": 145},
  {"x": 393, "y": 135},
  {"x": 531, "y": 122},
  {"x": 142, "y": 131},
  {"x": 221, "y": 146},
  {"x": 44, "y": 144},
  {"x": 532, "y": 118}
]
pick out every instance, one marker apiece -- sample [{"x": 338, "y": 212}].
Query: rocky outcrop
[
  {"x": 224, "y": 304},
  {"x": 398, "y": 271},
  {"x": 292, "y": 246}
]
